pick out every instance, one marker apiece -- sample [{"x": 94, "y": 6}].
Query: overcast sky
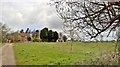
[{"x": 34, "y": 14}]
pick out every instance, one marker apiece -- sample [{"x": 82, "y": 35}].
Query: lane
[
  {"x": 8, "y": 54},
  {"x": 0, "y": 56},
  {"x": 2, "y": 47}
]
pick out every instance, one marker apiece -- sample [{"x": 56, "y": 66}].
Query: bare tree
[
  {"x": 118, "y": 34},
  {"x": 89, "y": 18},
  {"x": 4, "y": 30},
  {"x": 0, "y": 32}
]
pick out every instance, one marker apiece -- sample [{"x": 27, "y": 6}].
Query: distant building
[
  {"x": 60, "y": 38},
  {"x": 24, "y": 37}
]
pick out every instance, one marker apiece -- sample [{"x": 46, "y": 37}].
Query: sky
[{"x": 33, "y": 14}]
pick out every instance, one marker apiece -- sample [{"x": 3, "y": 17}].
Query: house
[
  {"x": 60, "y": 38},
  {"x": 34, "y": 36},
  {"x": 24, "y": 37}
]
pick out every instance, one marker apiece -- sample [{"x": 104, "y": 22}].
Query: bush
[
  {"x": 36, "y": 40},
  {"x": 106, "y": 58},
  {"x": 3, "y": 41}
]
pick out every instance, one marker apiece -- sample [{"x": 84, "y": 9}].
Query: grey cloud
[
  {"x": 55, "y": 23},
  {"x": 18, "y": 13}
]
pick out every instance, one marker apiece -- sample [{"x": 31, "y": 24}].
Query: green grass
[
  {"x": 1, "y": 44},
  {"x": 45, "y": 53}
]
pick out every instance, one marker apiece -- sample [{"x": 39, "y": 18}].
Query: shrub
[{"x": 36, "y": 40}]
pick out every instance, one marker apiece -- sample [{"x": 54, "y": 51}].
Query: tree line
[
  {"x": 48, "y": 35},
  {"x": 44, "y": 35}
]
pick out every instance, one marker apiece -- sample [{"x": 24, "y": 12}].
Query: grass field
[
  {"x": 1, "y": 44},
  {"x": 45, "y": 53}
]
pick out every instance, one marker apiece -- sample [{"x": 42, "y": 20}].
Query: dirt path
[
  {"x": 7, "y": 54},
  {"x": 0, "y": 56}
]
